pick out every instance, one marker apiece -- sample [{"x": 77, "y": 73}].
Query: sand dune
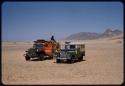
[{"x": 103, "y": 64}]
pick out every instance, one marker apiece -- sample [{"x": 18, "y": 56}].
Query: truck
[
  {"x": 42, "y": 49},
  {"x": 71, "y": 53}
]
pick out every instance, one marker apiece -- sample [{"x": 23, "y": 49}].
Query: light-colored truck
[{"x": 71, "y": 53}]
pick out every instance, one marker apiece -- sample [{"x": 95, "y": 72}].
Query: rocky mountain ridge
[{"x": 93, "y": 35}]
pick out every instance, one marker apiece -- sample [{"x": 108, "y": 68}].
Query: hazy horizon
[{"x": 28, "y": 21}]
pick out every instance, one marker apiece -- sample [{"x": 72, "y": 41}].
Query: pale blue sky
[{"x": 28, "y": 21}]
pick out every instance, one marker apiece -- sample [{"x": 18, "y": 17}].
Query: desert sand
[{"x": 103, "y": 64}]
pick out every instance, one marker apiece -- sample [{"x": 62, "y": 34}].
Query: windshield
[{"x": 38, "y": 45}]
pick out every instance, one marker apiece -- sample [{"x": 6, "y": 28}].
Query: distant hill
[{"x": 93, "y": 35}]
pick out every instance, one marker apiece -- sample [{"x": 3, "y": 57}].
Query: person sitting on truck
[{"x": 52, "y": 38}]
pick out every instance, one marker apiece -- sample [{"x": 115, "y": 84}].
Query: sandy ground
[{"x": 103, "y": 64}]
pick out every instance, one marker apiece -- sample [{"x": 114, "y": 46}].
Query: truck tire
[
  {"x": 69, "y": 61},
  {"x": 57, "y": 60},
  {"x": 41, "y": 57},
  {"x": 27, "y": 58},
  {"x": 84, "y": 53},
  {"x": 81, "y": 57}
]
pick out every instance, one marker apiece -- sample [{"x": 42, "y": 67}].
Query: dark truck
[
  {"x": 42, "y": 49},
  {"x": 71, "y": 53}
]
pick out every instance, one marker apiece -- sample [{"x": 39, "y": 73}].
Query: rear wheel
[
  {"x": 57, "y": 60},
  {"x": 81, "y": 57}
]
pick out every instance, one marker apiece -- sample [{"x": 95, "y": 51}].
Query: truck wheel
[
  {"x": 27, "y": 58},
  {"x": 41, "y": 57},
  {"x": 57, "y": 60},
  {"x": 84, "y": 53},
  {"x": 69, "y": 61},
  {"x": 81, "y": 57}
]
